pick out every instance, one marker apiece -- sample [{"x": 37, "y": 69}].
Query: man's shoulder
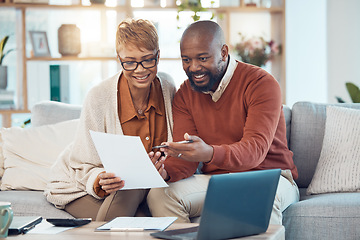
[
  {"x": 253, "y": 74},
  {"x": 185, "y": 89}
]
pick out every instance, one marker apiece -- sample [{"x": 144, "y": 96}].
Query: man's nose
[{"x": 194, "y": 66}]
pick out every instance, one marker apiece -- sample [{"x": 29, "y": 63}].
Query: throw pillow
[
  {"x": 1, "y": 161},
  {"x": 338, "y": 169},
  {"x": 30, "y": 152}
]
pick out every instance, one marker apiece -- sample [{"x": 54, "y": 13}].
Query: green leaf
[
  {"x": 2, "y": 47},
  {"x": 3, "y": 43},
  {"x": 340, "y": 100},
  {"x": 354, "y": 92}
]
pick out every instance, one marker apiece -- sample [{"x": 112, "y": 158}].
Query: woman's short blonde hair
[{"x": 140, "y": 33}]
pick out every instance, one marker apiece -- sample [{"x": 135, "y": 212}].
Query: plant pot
[
  {"x": 3, "y": 77},
  {"x": 97, "y": 1},
  {"x": 69, "y": 40}
]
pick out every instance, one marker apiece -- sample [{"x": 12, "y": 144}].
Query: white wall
[
  {"x": 323, "y": 49},
  {"x": 306, "y": 51},
  {"x": 343, "y": 47}
]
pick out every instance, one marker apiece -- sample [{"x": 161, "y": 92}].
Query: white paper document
[
  {"x": 137, "y": 224},
  {"x": 126, "y": 157}
]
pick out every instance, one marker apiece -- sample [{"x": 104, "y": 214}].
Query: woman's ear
[{"x": 158, "y": 55}]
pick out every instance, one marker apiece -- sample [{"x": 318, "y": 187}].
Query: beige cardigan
[{"x": 74, "y": 173}]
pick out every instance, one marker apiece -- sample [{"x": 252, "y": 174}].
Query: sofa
[
  {"x": 22, "y": 179},
  {"x": 331, "y": 214}
]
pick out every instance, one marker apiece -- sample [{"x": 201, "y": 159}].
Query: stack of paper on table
[{"x": 137, "y": 224}]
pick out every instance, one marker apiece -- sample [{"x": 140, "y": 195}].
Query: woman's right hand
[
  {"x": 158, "y": 161},
  {"x": 109, "y": 183}
]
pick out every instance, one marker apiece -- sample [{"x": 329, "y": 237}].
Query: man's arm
[
  {"x": 262, "y": 100},
  {"x": 178, "y": 168},
  {"x": 263, "y": 103}
]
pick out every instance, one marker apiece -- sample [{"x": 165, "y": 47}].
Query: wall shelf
[{"x": 23, "y": 58}]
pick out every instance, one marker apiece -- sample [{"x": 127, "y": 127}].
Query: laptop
[
  {"x": 22, "y": 224},
  {"x": 236, "y": 205}
]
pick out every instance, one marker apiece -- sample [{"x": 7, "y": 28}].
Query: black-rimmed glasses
[{"x": 132, "y": 65}]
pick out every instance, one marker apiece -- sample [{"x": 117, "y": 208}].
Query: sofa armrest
[
  {"x": 51, "y": 112},
  {"x": 287, "y": 114}
]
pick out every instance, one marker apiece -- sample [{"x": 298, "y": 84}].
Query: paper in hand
[{"x": 127, "y": 158}]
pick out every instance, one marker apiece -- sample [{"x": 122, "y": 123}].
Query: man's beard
[{"x": 212, "y": 80}]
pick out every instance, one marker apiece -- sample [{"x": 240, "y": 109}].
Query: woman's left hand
[
  {"x": 158, "y": 162},
  {"x": 110, "y": 183}
]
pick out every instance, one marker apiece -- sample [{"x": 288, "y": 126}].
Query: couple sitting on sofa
[{"x": 231, "y": 110}]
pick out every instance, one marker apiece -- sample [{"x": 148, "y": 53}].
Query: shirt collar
[
  {"x": 128, "y": 111},
  {"x": 224, "y": 81},
  {"x": 155, "y": 98}
]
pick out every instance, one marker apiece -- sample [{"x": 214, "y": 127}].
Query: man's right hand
[
  {"x": 109, "y": 183},
  {"x": 197, "y": 151}
]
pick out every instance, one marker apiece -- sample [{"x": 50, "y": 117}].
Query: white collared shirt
[{"x": 224, "y": 81}]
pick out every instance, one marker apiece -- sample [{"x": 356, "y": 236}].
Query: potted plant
[
  {"x": 194, "y": 6},
  {"x": 353, "y": 91},
  {"x": 256, "y": 50},
  {"x": 3, "y": 69}
]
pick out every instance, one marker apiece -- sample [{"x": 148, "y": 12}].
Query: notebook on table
[
  {"x": 236, "y": 205},
  {"x": 22, "y": 224}
]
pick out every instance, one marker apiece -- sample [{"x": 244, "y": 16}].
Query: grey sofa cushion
[
  {"x": 287, "y": 114},
  {"x": 51, "y": 112},
  {"x": 307, "y": 133},
  {"x": 323, "y": 216},
  {"x": 32, "y": 203}
]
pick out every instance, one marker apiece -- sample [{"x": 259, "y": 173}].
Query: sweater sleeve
[
  {"x": 263, "y": 103},
  {"x": 75, "y": 172},
  {"x": 177, "y": 168},
  {"x": 84, "y": 158}
]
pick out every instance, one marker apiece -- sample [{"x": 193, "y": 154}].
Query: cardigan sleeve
[
  {"x": 84, "y": 158},
  {"x": 74, "y": 173}
]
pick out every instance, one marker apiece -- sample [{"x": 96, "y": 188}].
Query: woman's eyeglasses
[{"x": 132, "y": 65}]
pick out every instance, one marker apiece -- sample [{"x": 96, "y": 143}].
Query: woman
[{"x": 134, "y": 102}]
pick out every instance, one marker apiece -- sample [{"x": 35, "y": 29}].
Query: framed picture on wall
[{"x": 40, "y": 44}]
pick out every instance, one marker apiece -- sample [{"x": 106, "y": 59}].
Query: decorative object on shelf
[
  {"x": 97, "y": 1},
  {"x": 69, "y": 40},
  {"x": 194, "y": 6},
  {"x": 3, "y": 69},
  {"x": 32, "y": 1},
  {"x": 7, "y": 99},
  {"x": 353, "y": 91},
  {"x": 265, "y": 3},
  {"x": 59, "y": 83},
  {"x": 40, "y": 44},
  {"x": 251, "y": 3},
  {"x": 256, "y": 50}
]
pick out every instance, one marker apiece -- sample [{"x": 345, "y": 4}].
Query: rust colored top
[
  {"x": 246, "y": 126},
  {"x": 151, "y": 127}
]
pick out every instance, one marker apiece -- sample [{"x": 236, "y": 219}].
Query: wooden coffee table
[{"x": 274, "y": 232}]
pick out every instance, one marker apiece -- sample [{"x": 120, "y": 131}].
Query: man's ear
[{"x": 224, "y": 52}]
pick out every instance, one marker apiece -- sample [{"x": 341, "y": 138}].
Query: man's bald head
[
  {"x": 204, "y": 55},
  {"x": 205, "y": 30}
]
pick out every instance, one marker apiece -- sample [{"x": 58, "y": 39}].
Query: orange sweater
[{"x": 246, "y": 126}]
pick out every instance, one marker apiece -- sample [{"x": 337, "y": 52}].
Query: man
[{"x": 233, "y": 113}]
